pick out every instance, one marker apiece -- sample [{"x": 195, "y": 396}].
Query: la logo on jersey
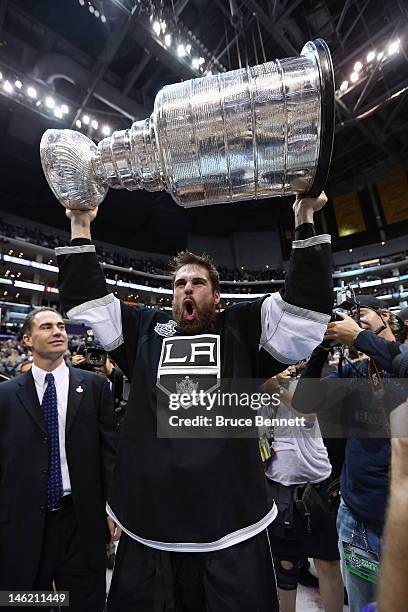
[{"x": 195, "y": 360}]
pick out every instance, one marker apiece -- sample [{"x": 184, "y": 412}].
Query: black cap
[
  {"x": 403, "y": 314},
  {"x": 369, "y": 301}
]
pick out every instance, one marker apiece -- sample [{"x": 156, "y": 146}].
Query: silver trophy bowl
[{"x": 259, "y": 132}]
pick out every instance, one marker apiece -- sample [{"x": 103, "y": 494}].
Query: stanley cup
[{"x": 252, "y": 133}]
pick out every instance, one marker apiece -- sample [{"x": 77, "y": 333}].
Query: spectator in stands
[
  {"x": 12, "y": 354},
  {"x": 150, "y": 265}
]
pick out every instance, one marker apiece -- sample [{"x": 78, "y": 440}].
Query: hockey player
[{"x": 194, "y": 512}]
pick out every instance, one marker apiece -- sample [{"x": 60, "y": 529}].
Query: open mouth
[{"x": 189, "y": 310}]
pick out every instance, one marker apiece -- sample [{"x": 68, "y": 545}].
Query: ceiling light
[
  {"x": 354, "y": 77},
  {"x": 85, "y": 119},
  {"x": 31, "y": 92},
  {"x": 103, "y": 18},
  {"x": 64, "y": 109},
  {"x": 91, "y": 9},
  {"x": 380, "y": 55},
  {"x": 49, "y": 102},
  {"x": 358, "y": 66},
  {"x": 156, "y": 28},
  {"x": 197, "y": 61},
  {"x": 181, "y": 51},
  {"x": 344, "y": 86},
  {"x": 1, "y": 76},
  {"x": 188, "y": 48},
  {"x": 58, "y": 112},
  {"x": 371, "y": 56},
  {"x": 106, "y": 130},
  {"x": 18, "y": 84},
  {"x": 82, "y": 2},
  {"x": 78, "y": 123},
  {"x": 97, "y": 14},
  {"x": 393, "y": 47},
  {"x": 8, "y": 87},
  {"x": 167, "y": 40},
  {"x": 94, "y": 124},
  {"x": 163, "y": 25}
]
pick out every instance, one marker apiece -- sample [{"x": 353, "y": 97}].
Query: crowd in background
[
  {"x": 149, "y": 265},
  {"x": 50, "y": 240},
  {"x": 12, "y": 355},
  {"x": 156, "y": 266}
]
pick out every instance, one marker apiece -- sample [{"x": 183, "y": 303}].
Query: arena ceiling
[{"x": 107, "y": 59}]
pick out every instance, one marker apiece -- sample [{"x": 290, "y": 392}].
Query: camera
[
  {"x": 94, "y": 354},
  {"x": 335, "y": 314},
  {"x": 95, "y": 357}
]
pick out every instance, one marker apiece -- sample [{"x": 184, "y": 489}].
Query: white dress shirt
[{"x": 61, "y": 378}]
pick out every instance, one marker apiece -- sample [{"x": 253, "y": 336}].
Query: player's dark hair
[
  {"x": 185, "y": 258},
  {"x": 28, "y": 321}
]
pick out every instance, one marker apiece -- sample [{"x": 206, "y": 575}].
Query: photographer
[
  {"x": 299, "y": 475},
  {"x": 92, "y": 356},
  {"x": 362, "y": 401}
]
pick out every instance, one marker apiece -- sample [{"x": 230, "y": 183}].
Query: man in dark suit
[{"x": 57, "y": 453}]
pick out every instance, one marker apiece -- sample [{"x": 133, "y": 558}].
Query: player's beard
[{"x": 203, "y": 321}]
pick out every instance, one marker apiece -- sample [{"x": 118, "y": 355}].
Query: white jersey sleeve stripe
[
  {"x": 290, "y": 333},
  {"x": 71, "y": 250},
  {"x": 312, "y": 241},
  {"x": 104, "y": 316}
]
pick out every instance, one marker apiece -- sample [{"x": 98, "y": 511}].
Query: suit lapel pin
[{"x": 79, "y": 389}]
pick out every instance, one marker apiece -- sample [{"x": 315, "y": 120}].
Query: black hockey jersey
[{"x": 195, "y": 494}]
